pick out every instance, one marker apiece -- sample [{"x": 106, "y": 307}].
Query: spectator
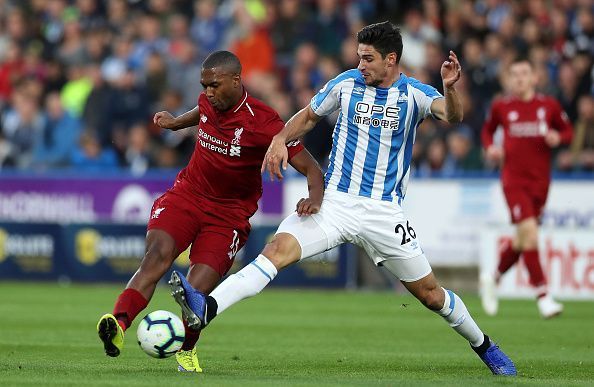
[
  {"x": 129, "y": 101},
  {"x": 183, "y": 73},
  {"x": 155, "y": 73},
  {"x": 118, "y": 16},
  {"x": 462, "y": 156},
  {"x": 95, "y": 115},
  {"x": 328, "y": 27},
  {"x": 59, "y": 135},
  {"x": 580, "y": 155},
  {"x": 90, "y": 156},
  {"x": 252, "y": 45},
  {"x": 150, "y": 40},
  {"x": 76, "y": 90},
  {"x": 207, "y": 25},
  {"x": 72, "y": 50},
  {"x": 435, "y": 157},
  {"x": 288, "y": 30},
  {"x": 21, "y": 125},
  {"x": 415, "y": 34},
  {"x": 10, "y": 70},
  {"x": 139, "y": 153}
]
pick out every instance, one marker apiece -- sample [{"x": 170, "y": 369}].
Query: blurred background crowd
[{"x": 81, "y": 79}]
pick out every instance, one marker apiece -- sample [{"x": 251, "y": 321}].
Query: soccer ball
[{"x": 160, "y": 334}]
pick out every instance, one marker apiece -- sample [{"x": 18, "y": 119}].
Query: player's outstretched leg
[
  {"x": 488, "y": 292},
  {"x": 192, "y": 302},
  {"x": 112, "y": 334},
  {"x": 454, "y": 312},
  {"x": 494, "y": 358},
  {"x": 187, "y": 361},
  {"x": 416, "y": 275}
]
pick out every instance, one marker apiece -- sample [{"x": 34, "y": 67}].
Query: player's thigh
[
  {"x": 216, "y": 246},
  {"x": 408, "y": 270},
  {"x": 313, "y": 233},
  {"x": 520, "y": 203},
  {"x": 539, "y": 199},
  {"x": 387, "y": 234},
  {"x": 176, "y": 216}
]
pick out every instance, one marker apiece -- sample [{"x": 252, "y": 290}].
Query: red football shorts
[
  {"x": 525, "y": 202},
  {"x": 215, "y": 233}
]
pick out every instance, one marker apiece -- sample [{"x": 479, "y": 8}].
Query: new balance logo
[
  {"x": 157, "y": 212},
  {"x": 235, "y": 150},
  {"x": 203, "y": 118}
]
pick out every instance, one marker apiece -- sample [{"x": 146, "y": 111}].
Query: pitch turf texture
[{"x": 289, "y": 337}]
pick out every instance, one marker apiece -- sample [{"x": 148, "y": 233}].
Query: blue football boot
[
  {"x": 497, "y": 361},
  {"x": 192, "y": 302}
]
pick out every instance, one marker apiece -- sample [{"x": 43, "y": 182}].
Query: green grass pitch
[{"x": 289, "y": 337}]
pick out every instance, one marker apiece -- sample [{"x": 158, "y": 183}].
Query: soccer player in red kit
[
  {"x": 212, "y": 199},
  {"x": 533, "y": 124}
]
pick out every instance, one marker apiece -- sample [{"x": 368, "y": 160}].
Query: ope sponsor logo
[{"x": 385, "y": 117}]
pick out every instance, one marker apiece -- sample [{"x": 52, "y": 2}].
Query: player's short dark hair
[
  {"x": 385, "y": 37},
  {"x": 521, "y": 59},
  {"x": 223, "y": 59}
]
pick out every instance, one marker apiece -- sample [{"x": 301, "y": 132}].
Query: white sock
[
  {"x": 247, "y": 282},
  {"x": 455, "y": 313}
]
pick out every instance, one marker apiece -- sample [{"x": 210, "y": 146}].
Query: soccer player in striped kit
[
  {"x": 533, "y": 124},
  {"x": 380, "y": 110}
]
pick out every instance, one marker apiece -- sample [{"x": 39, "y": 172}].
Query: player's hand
[
  {"x": 276, "y": 157},
  {"x": 494, "y": 154},
  {"x": 308, "y": 206},
  {"x": 164, "y": 120},
  {"x": 552, "y": 138},
  {"x": 451, "y": 70}
]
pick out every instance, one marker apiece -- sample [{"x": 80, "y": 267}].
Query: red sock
[
  {"x": 507, "y": 256},
  {"x": 127, "y": 307},
  {"x": 537, "y": 277},
  {"x": 191, "y": 339}
]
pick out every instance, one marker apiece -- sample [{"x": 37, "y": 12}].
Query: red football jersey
[
  {"x": 230, "y": 149},
  {"x": 527, "y": 157}
]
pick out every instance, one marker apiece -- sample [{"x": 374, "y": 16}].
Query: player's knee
[
  {"x": 432, "y": 298},
  {"x": 157, "y": 259},
  {"x": 529, "y": 241},
  {"x": 280, "y": 252}
]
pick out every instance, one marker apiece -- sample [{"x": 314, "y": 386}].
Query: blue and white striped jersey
[{"x": 374, "y": 134}]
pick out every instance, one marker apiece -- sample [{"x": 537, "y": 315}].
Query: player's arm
[
  {"x": 449, "y": 108},
  {"x": 277, "y": 156},
  {"x": 493, "y": 153},
  {"x": 309, "y": 167},
  {"x": 564, "y": 130},
  {"x": 165, "y": 120}
]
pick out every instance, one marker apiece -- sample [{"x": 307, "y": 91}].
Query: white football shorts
[{"x": 377, "y": 226}]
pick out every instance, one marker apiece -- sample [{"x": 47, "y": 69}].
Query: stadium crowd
[{"x": 81, "y": 79}]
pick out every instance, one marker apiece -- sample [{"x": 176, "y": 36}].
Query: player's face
[
  {"x": 522, "y": 79},
  {"x": 373, "y": 67},
  {"x": 222, "y": 88}
]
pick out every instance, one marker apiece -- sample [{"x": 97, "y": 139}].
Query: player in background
[
  {"x": 533, "y": 124},
  {"x": 380, "y": 110},
  {"x": 213, "y": 197}
]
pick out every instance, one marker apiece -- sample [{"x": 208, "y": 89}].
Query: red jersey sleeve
[
  {"x": 560, "y": 122},
  {"x": 274, "y": 124},
  {"x": 294, "y": 147},
  {"x": 490, "y": 126}
]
